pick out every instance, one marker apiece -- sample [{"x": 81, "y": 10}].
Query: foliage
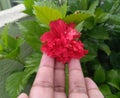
[{"x": 99, "y": 22}]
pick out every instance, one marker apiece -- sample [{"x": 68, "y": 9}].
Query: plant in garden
[{"x": 99, "y": 24}]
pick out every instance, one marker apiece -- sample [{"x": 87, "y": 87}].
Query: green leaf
[
  {"x": 115, "y": 6},
  {"x": 76, "y": 18},
  {"x": 13, "y": 54},
  {"x": 15, "y": 84},
  {"x": 84, "y": 4},
  {"x": 113, "y": 79},
  {"x": 7, "y": 67},
  {"x": 79, "y": 27},
  {"x": 17, "y": 81},
  {"x": 32, "y": 31},
  {"x": 75, "y": 5},
  {"x": 105, "y": 89},
  {"x": 89, "y": 23},
  {"x": 45, "y": 14},
  {"x": 115, "y": 59},
  {"x": 4, "y": 36},
  {"x": 99, "y": 75},
  {"x": 112, "y": 96},
  {"x": 105, "y": 48},
  {"x": 101, "y": 16},
  {"x": 93, "y": 6},
  {"x": 115, "y": 19},
  {"x": 29, "y": 6},
  {"x": 61, "y": 8},
  {"x": 99, "y": 33},
  {"x": 92, "y": 50}
]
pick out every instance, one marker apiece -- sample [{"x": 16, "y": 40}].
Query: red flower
[{"x": 62, "y": 43}]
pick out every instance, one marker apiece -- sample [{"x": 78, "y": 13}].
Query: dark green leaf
[
  {"x": 99, "y": 33},
  {"x": 75, "y": 5},
  {"x": 89, "y": 23},
  {"x": 113, "y": 79},
  {"x": 99, "y": 75},
  {"x": 115, "y": 59},
  {"x": 105, "y": 90},
  {"x": 105, "y": 48},
  {"x": 101, "y": 16},
  {"x": 79, "y": 27},
  {"x": 115, "y": 6},
  {"x": 92, "y": 51},
  {"x": 115, "y": 19},
  {"x": 93, "y": 6}
]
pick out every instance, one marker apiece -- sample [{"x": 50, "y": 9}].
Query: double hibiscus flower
[{"x": 62, "y": 42}]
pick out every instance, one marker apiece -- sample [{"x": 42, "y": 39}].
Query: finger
[
  {"x": 23, "y": 95},
  {"x": 77, "y": 88},
  {"x": 59, "y": 80},
  {"x": 43, "y": 84},
  {"x": 92, "y": 89}
]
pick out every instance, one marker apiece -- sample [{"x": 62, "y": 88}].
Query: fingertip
[
  {"x": 74, "y": 63},
  {"x": 90, "y": 83},
  {"x": 47, "y": 60},
  {"x": 23, "y": 95},
  {"x": 92, "y": 88}
]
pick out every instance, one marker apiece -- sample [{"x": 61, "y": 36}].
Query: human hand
[{"x": 50, "y": 81}]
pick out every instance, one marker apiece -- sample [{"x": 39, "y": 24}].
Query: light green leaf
[
  {"x": 76, "y": 18},
  {"x": 99, "y": 75},
  {"x": 61, "y": 8},
  {"x": 45, "y": 14},
  {"x": 105, "y": 48},
  {"x": 4, "y": 36},
  {"x": 29, "y": 6},
  {"x": 13, "y": 54}
]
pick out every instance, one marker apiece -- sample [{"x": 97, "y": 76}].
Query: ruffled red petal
[{"x": 62, "y": 43}]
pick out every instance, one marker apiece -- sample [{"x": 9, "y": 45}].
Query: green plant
[
  {"x": 4, "y": 4},
  {"x": 99, "y": 22}
]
